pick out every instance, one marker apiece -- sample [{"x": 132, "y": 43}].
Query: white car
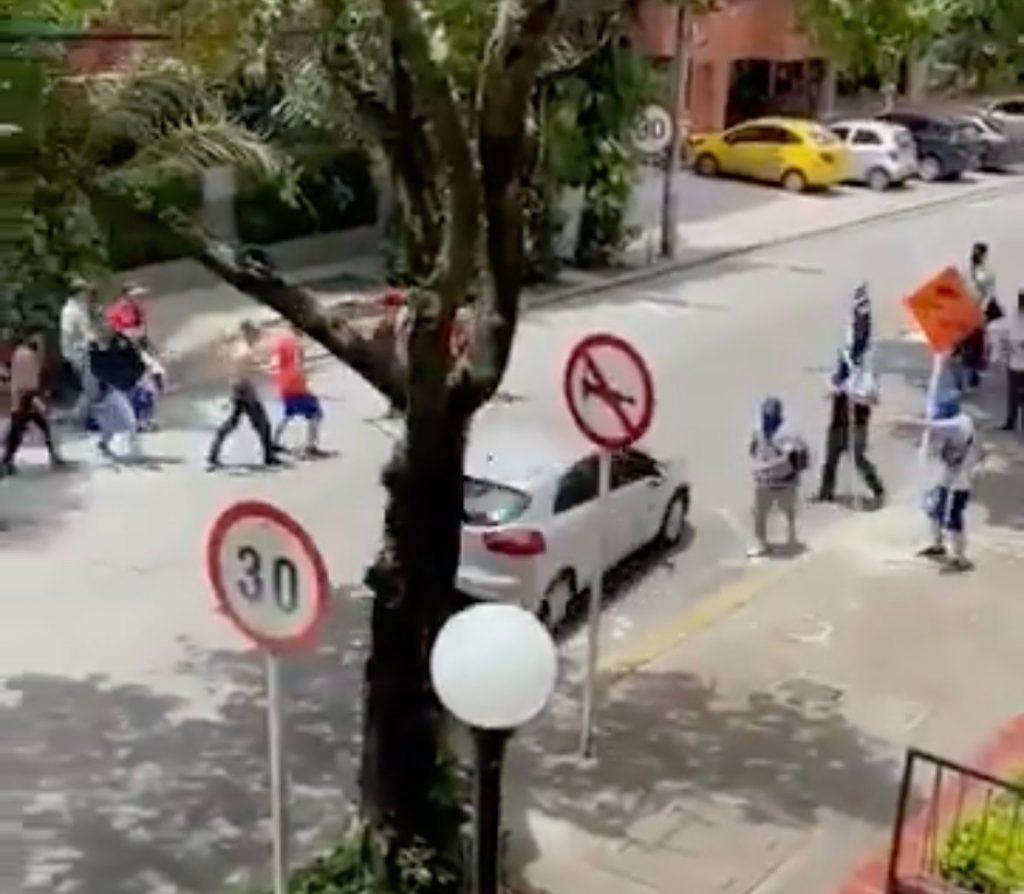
[
  {"x": 529, "y": 534},
  {"x": 879, "y": 154},
  {"x": 1009, "y": 116}
]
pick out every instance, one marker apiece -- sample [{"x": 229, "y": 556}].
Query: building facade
[{"x": 746, "y": 58}]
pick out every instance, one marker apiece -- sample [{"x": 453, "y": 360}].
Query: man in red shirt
[{"x": 293, "y": 389}]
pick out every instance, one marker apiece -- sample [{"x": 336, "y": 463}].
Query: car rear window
[{"x": 487, "y": 503}]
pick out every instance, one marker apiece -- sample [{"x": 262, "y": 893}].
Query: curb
[
  {"x": 645, "y": 274},
  {"x": 664, "y": 268},
  {"x": 999, "y": 753}
]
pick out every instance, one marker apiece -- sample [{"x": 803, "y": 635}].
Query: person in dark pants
[
  {"x": 245, "y": 400},
  {"x": 27, "y": 405},
  {"x": 972, "y": 351},
  {"x": 847, "y": 391}
]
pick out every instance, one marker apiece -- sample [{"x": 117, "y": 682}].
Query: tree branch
[
  {"x": 514, "y": 57},
  {"x": 457, "y": 264},
  {"x": 378, "y": 368}
]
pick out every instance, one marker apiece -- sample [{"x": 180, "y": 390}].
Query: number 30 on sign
[{"x": 267, "y": 575}]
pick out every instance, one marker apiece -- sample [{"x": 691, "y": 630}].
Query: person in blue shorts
[{"x": 297, "y": 400}]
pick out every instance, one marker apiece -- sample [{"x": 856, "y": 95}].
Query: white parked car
[
  {"x": 529, "y": 534},
  {"x": 1009, "y": 116},
  {"x": 878, "y": 154}
]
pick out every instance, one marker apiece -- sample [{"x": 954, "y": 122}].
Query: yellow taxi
[{"x": 790, "y": 151}]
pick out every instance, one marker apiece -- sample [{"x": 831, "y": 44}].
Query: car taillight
[{"x": 515, "y": 542}]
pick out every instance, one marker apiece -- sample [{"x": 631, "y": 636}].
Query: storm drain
[{"x": 807, "y": 693}]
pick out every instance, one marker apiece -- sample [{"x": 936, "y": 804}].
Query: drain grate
[{"x": 807, "y": 692}]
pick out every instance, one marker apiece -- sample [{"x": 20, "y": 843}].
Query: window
[
  {"x": 578, "y": 485},
  {"x": 779, "y": 136},
  {"x": 867, "y": 138},
  {"x": 487, "y": 503},
  {"x": 1011, "y": 107},
  {"x": 746, "y": 135},
  {"x": 820, "y": 135},
  {"x": 842, "y": 132},
  {"x": 629, "y": 466}
]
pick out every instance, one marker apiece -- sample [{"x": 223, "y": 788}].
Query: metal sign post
[
  {"x": 610, "y": 395},
  {"x": 278, "y": 780},
  {"x": 604, "y": 474},
  {"x": 271, "y": 582}
]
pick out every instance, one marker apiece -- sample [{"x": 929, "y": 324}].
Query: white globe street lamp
[{"x": 494, "y": 668}]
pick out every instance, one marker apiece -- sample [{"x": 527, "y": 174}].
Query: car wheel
[
  {"x": 930, "y": 168},
  {"x": 879, "y": 179},
  {"x": 554, "y": 607},
  {"x": 706, "y": 165},
  {"x": 673, "y": 522},
  {"x": 794, "y": 181}
]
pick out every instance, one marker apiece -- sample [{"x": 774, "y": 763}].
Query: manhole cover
[{"x": 805, "y": 691}]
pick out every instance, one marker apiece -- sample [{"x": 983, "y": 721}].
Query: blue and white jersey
[{"x": 953, "y": 451}]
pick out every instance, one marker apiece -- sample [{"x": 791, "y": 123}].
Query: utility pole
[{"x": 678, "y": 78}]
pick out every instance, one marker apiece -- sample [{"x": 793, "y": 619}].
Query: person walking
[
  {"x": 77, "y": 333},
  {"x": 297, "y": 400},
  {"x": 954, "y": 454},
  {"x": 853, "y": 390},
  {"x": 116, "y": 368},
  {"x": 1008, "y": 348},
  {"x": 779, "y": 458},
  {"x": 27, "y": 404},
  {"x": 245, "y": 400}
]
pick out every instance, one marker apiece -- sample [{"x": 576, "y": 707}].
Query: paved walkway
[{"x": 758, "y": 743}]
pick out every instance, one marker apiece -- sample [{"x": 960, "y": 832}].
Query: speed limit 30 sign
[{"x": 267, "y": 575}]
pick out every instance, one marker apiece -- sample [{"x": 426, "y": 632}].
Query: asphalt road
[{"x": 130, "y": 713}]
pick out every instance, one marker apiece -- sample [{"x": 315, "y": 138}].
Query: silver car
[
  {"x": 879, "y": 154},
  {"x": 1008, "y": 114}
]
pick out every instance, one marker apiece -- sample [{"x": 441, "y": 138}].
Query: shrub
[{"x": 985, "y": 853}]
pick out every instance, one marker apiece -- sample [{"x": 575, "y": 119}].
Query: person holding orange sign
[{"x": 971, "y": 353}]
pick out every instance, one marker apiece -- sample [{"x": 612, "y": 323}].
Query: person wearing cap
[
  {"x": 125, "y": 316},
  {"x": 1008, "y": 348},
  {"x": 779, "y": 458},
  {"x": 953, "y": 454}
]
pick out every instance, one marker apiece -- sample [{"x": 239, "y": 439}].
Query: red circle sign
[
  {"x": 267, "y": 575},
  {"x": 609, "y": 391}
]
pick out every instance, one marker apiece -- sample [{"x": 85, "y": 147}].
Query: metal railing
[{"x": 957, "y": 830}]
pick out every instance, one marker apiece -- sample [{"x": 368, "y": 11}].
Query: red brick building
[{"x": 747, "y": 58}]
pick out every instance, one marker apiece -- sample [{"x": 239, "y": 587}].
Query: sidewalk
[
  {"x": 762, "y": 753},
  {"x": 190, "y": 314}
]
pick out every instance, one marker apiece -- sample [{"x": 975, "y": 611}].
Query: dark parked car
[
  {"x": 944, "y": 151},
  {"x": 998, "y": 151}
]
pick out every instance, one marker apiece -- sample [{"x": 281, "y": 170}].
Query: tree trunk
[
  {"x": 829, "y": 89},
  {"x": 412, "y": 580}
]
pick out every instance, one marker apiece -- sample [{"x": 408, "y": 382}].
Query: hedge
[
  {"x": 985, "y": 854},
  {"x": 336, "y": 192}
]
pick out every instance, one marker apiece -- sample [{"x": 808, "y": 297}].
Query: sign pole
[
  {"x": 604, "y": 466},
  {"x": 278, "y": 782}
]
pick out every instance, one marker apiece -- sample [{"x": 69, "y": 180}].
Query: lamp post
[{"x": 494, "y": 668}]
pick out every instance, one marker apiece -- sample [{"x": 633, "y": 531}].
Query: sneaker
[
  {"x": 273, "y": 461},
  {"x": 314, "y": 453},
  {"x": 213, "y": 465},
  {"x": 824, "y": 497},
  {"x": 959, "y": 563},
  {"x": 935, "y": 551}
]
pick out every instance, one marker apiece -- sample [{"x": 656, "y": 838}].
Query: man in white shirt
[
  {"x": 77, "y": 334},
  {"x": 1008, "y": 348}
]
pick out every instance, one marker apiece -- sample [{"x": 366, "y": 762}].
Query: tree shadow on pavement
[
  {"x": 673, "y": 738},
  {"x": 122, "y": 793}
]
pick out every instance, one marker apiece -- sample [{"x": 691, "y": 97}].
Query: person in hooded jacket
[
  {"x": 953, "y": 453},
  {"x": 853, "y": 389},
  {"x": 779, "y": 458}
]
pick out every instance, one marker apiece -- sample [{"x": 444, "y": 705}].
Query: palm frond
[{"x": 198, "y": 144}]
